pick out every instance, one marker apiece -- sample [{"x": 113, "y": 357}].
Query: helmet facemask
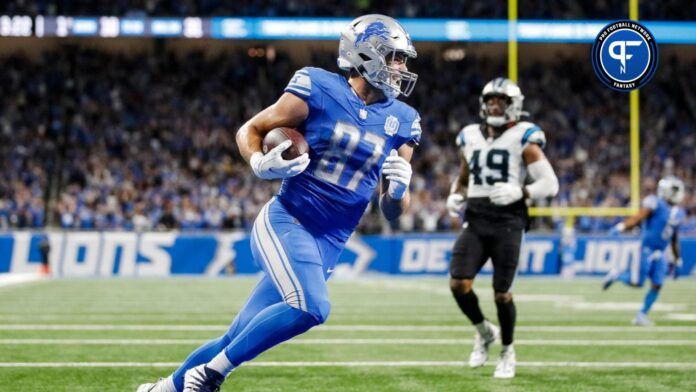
[
  {"x": 504, "y": 117},
  {"x": 390, "y": 79}
]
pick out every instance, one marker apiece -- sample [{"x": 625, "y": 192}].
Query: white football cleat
[
  {"x": 642, "y": 320},
  {"x": 479, "y": 355},
  {"x": 159, "y": 386},
  {"x": 506, "y": 364},
  {"x": 146, "y": 388}
]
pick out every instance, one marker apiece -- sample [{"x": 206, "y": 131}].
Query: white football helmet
[
  {"x": 506, "y": 88},
  {"x": 368, "y": 44},
  {"x": 671, "y": 189}
]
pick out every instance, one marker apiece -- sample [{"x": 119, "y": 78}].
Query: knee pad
[
  {"x": 503, "y": 298},
  {"x": 460, "y": 286}
]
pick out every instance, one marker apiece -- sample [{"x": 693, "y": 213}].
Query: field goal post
[{"x": 572, "y": 212}]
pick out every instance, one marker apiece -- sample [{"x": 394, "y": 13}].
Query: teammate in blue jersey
[
  {"x": 660, "y": 216},
  {"x": 359, "y": 136}
]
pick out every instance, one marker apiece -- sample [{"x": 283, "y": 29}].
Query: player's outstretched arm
[
  {"x": 631, "y": 221},
  {"x": 396, "y": 177},
  {"x": 649, "y": 204},
  {"x": 288, "y": 111}
]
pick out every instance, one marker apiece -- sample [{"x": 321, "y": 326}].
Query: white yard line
[
  {"x": 67, "y": 317},
  {"x": 400, "y": 342},
  {"x": 349, "y": 328},
  {"x": 576, "y": 302},
  {"x": 620, "y": 306},
  {"x": 115, "y": 342},
  {"x": 13, "y": 279},
  {"x": 109, "y": 327},
  {"x": 412, "y": 286},
  {"x": 522, "y": 328},
  {"x": 681, "y": 316},
  {"x": 641, "y": 365}
]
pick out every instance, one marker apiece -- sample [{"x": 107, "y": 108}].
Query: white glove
[
  {"x": 455, "y": 204},
  {"x": 398, "y": 171},
  {"x": 272, "y": 165},
  {"x": 617, "y": 229},
  {"x": 504, "y": 193}
]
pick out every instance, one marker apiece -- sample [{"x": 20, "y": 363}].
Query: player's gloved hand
[
  {"x": 455, "y": 204},
  {"x": 504, "y": 193},
  {"x": 617, "y": 229},
  {"x": 398, "y": 171},
  {"x": 272, "y": 165},
  {"x": 674, "y": 268}
]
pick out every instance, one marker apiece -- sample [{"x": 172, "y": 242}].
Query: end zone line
[
  {"x": 404, "y": 342},
  {"x": 639, "y": 365},
  {"x": 349, "y": 328}
]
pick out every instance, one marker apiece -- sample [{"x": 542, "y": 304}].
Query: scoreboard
[{"x": 435, "y": 30}]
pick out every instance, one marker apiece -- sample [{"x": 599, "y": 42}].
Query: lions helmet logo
[{"x": 378, "y": 29}]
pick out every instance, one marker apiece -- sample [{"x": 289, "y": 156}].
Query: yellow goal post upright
[{"x": 570, "y": 213}]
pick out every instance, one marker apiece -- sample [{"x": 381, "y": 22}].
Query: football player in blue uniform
[
  {"x": 359, "y": 136},
  {"x": 660, "y": 216}
]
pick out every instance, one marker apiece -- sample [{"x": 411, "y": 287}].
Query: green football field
[{"x": 382, "y": 335}]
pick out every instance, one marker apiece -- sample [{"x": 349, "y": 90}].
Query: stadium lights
[
  {"x": 268, "y": 52},
  {"x": 454, "y": 54}
]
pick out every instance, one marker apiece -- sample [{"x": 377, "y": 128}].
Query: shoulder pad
[
  {"x": 461, "y": 136},
  {"x": 533, "y": 134},
  {"x": 300, "y": 83},
  {"x": 650, "y": 202}
]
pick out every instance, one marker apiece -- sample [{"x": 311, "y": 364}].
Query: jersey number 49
[{"x": 497, "y": 161}]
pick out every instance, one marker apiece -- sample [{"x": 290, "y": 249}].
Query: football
[{"x": 279, "y": 135}]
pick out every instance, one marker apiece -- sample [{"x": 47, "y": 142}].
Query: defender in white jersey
[{"x": 496, "y": 157}]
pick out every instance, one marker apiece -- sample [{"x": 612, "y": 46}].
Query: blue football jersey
[
  {"x": 662, "y": 222},
  {"x": 348, "y": 143}
]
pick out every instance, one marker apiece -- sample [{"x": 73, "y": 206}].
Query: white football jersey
[{"x": 497, "y": 160}]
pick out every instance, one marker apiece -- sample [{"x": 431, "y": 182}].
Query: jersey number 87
[{"x": 334, "y": 165}]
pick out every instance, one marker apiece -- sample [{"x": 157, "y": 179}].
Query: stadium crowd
[
  {"x": 528, "y": 9},
  {"x": 146, "y": 141}
]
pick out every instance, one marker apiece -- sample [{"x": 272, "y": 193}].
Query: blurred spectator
[
  {"x": 104, "y": 141},
  {"x": 488, "y": 9}
]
